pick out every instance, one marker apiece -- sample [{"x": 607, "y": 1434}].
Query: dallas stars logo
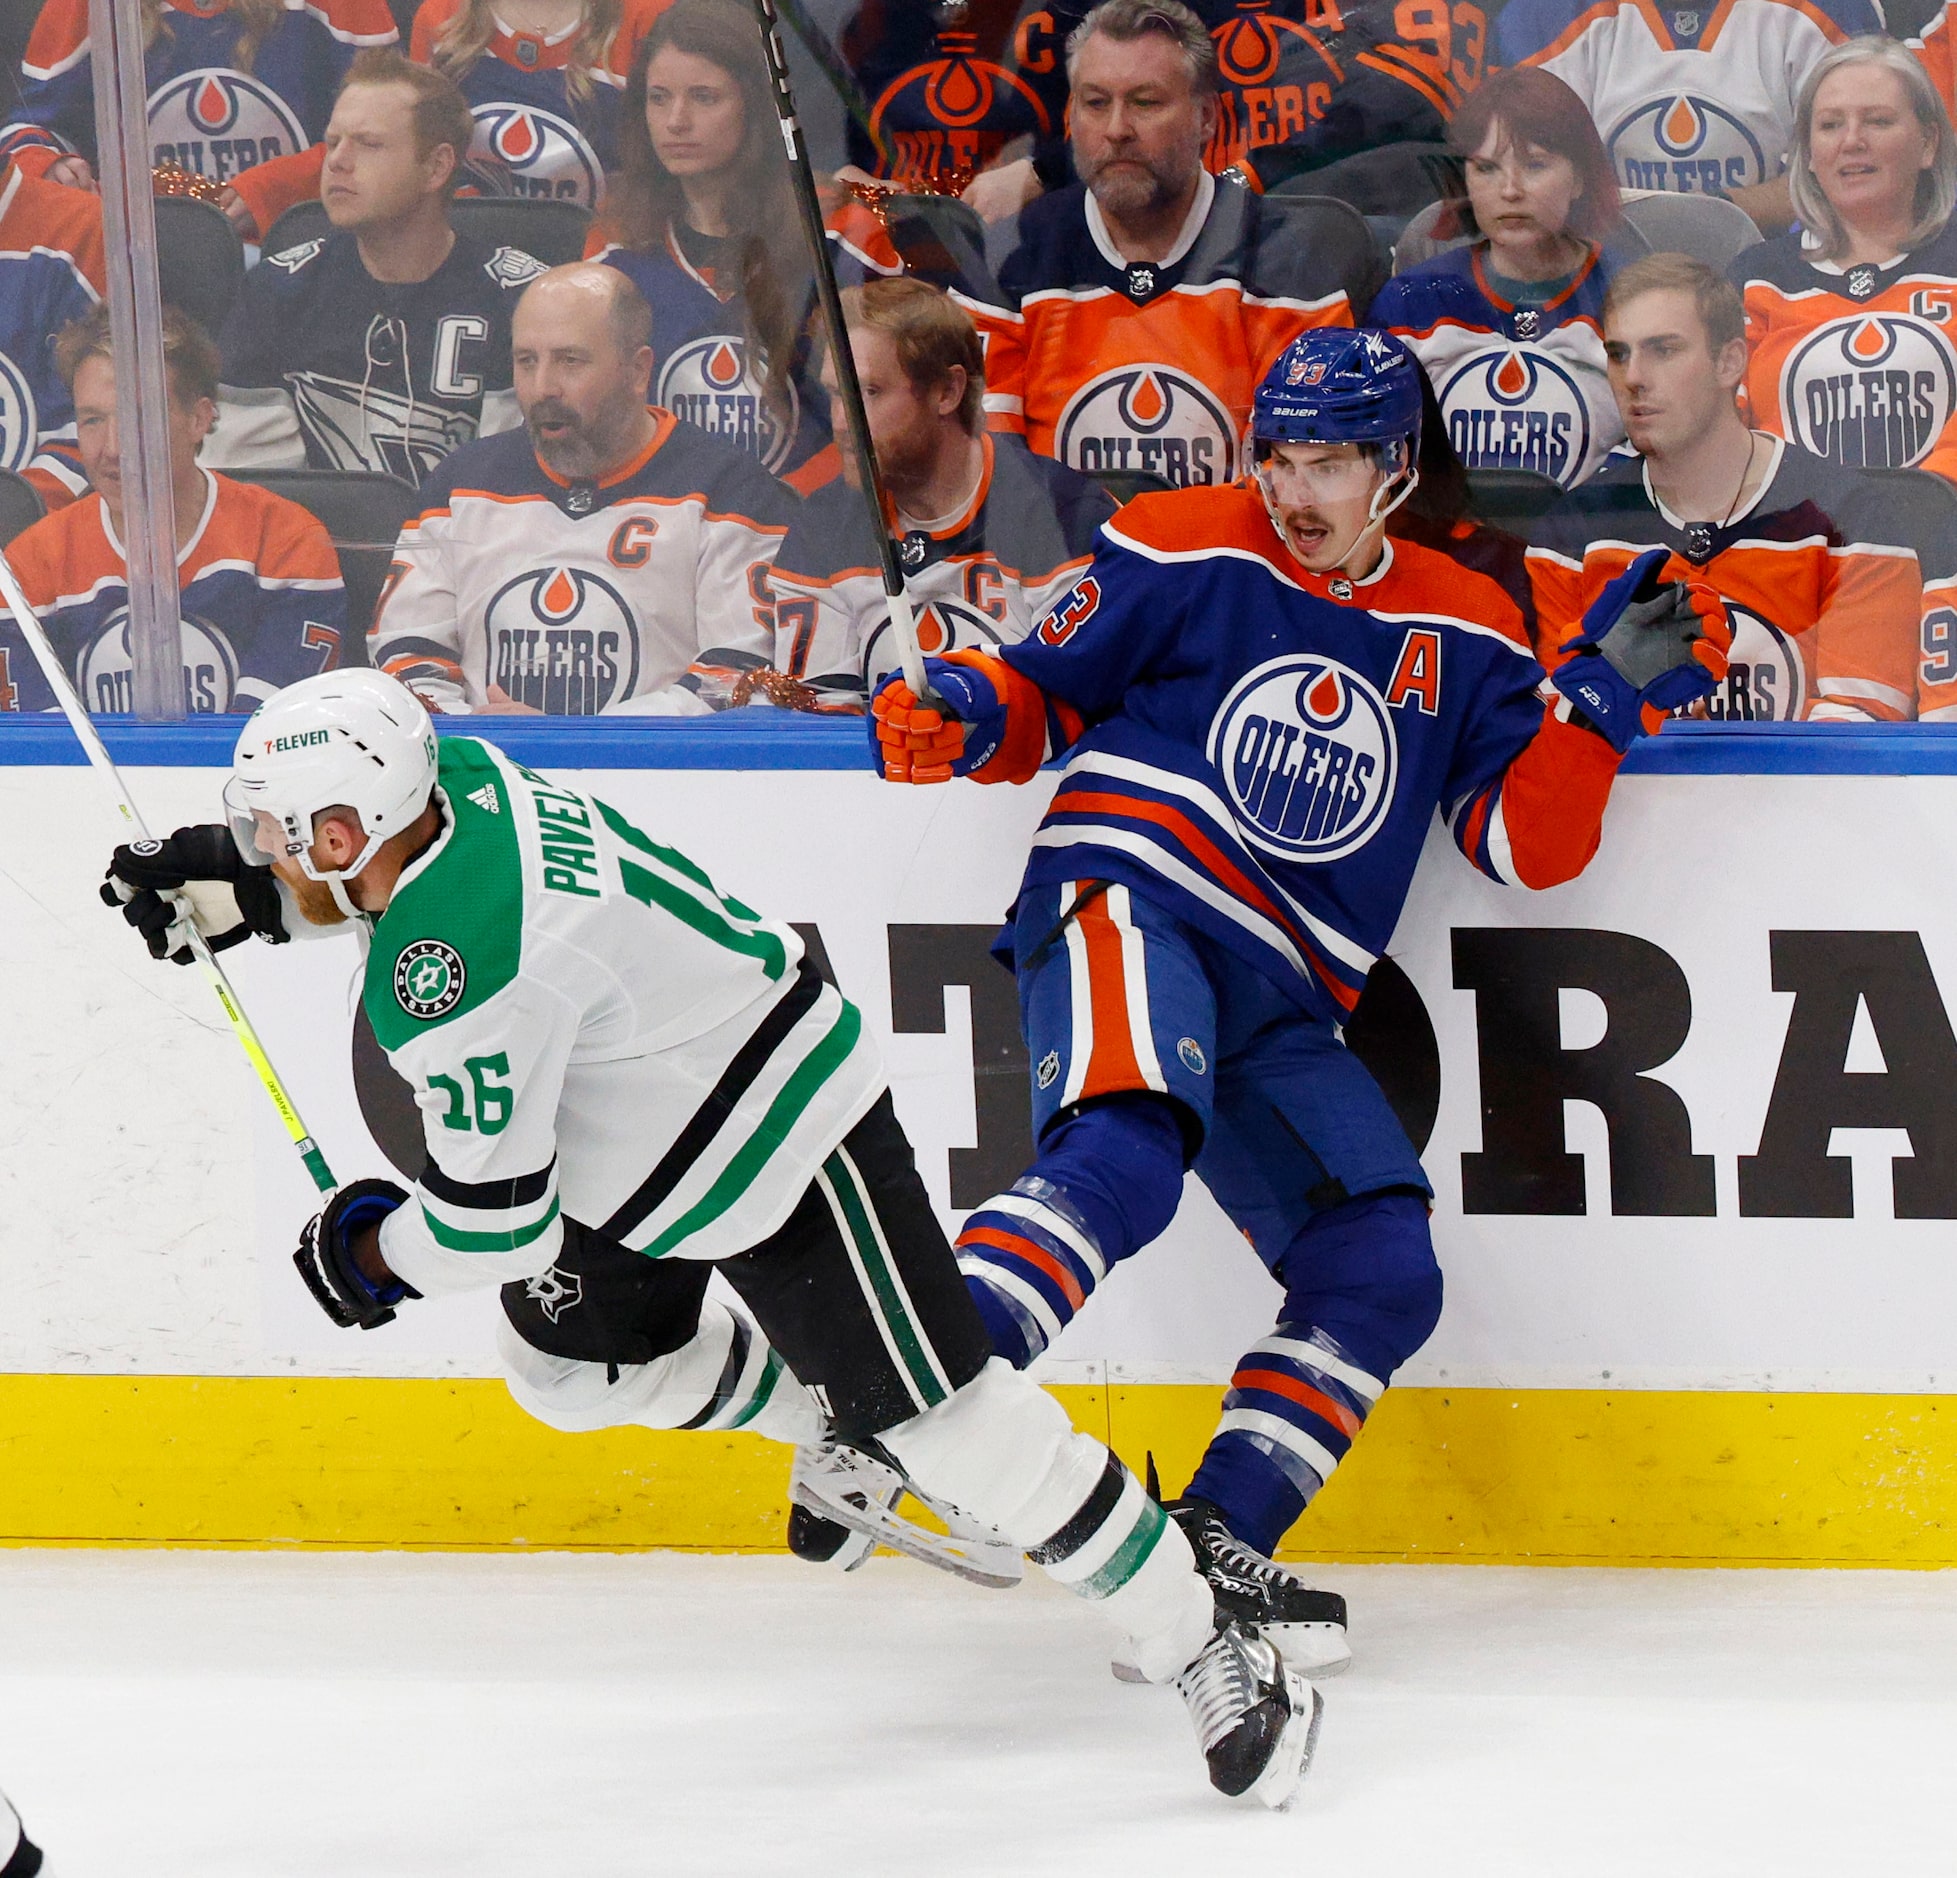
[{"x": 428, "y": 979}]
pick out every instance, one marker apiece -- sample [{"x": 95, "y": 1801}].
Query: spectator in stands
[
  {"x": 51, "y": 275},
  {"x": 990, "y": 535},
  {"x": 1144, "y": 302},
  {"x": 607, "y": 557},
  {"x": 702, "y": 218},
  {"x": 232, "y": 85},
  {"x": 1852, "y": 323},
  {"x": 1508, "y": 328},
  {"x": 544, "y": 97},
  {"x": 1697, "y": 100},
  {"x": 263, "y": 604},
  {"x": 387, "y": 345},
  {"x": 1825, "y": 600}
]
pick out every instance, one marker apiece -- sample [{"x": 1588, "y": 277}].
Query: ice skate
[
  {"x": 857, "y": 1489},
  {"x": 1307, "y": 1624},
  {"x": 1257, "y": 1721}
]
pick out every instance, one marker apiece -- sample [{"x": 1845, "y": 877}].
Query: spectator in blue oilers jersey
[
  {"x": 1695, "y": 96},
  {"x": 386, "y": 345},
  {"x": 702, "y": 221},
  {"x": 1509, "y": 327},
  {"x": 262, "y": 599},
  {"x": 232, "y": 86}
]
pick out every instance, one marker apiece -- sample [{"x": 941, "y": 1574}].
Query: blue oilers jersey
[
  {"x": 1523, "y": 387},
  {"x": 539, "y": 131},
  {"x": 706, "y": 372},
  {"x": 206, "y": 111},
  {"x": 263, "y": 605},
  {"x": 1696, "y": 98},
  {"x": 1262, "y": 750}
]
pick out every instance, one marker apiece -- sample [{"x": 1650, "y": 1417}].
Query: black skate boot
[
  {"x": 1257, "y": 1721},
  {"x": 1309, "y": 1625}
]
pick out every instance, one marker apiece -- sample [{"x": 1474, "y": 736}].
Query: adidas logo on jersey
[{"x": 487, "y": 799}]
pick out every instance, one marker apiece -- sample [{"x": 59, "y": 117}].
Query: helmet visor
[{"x": 260, "y": 836}]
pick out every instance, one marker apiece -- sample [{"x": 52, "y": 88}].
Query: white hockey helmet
[{"x": 354, "y": 739}]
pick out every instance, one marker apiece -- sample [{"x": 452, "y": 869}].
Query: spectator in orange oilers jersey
[
  {"x": 1144, "y": 303},
  {"x": 1825, "y": 599}
]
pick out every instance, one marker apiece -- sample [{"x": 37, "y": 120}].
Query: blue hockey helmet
[{"x": 1340, "y": 384}]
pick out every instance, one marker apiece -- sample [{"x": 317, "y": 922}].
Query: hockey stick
[
  {"x": 93, "y": 748},
  {"x": 903, "y": 621}
]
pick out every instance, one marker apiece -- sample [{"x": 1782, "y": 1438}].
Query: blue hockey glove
[
  {"x": 1645, "y": 647},
  {"x": 918, "y": 744},
  {"x": 326, "y": 1262}
]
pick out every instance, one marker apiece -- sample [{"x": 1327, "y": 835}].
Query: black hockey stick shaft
[{"x": 848, "y": 387}]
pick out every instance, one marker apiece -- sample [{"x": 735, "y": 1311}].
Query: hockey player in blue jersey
[{"x": 1262, "y": 702}]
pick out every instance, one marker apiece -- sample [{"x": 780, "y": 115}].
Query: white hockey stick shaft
[{"x": 104, "y": 766}]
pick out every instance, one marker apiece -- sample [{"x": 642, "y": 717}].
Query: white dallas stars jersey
[
  {"x": 578, "y": 598},
  {"x": 1857, "y": 364},
  {"x": 592, "y": 1031},
  {"x": 1693, "y": 98},
  {"x": 1523, "y": 387},
  {"x": 980, "y": 581}
]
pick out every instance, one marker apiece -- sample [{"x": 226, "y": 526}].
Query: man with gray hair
[
  {"x": 607, "y": 557},
  {"x": 1144, "y": 302}
]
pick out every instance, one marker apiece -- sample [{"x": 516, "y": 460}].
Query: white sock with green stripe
[
  {"x": 1003, "y": 1450},
  {"x": 727, "y": 1377}
]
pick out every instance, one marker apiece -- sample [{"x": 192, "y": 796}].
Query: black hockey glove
[
  {"x": 227, "y": 900},
  {"x": 325, "y": 1256}
]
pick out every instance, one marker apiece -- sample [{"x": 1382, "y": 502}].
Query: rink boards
[{"x": 1691, "y": 1122}]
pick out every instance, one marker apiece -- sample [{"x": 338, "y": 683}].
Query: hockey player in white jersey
[{"x": 627, "y": 1079}]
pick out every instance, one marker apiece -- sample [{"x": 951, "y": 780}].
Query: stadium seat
[
  {"x": 1419, "y": 243},
  {"x": 1337, "y": 235},
  {"x": 1126, "y": 485},
  {"x": 1705, "y": 227},
  {"x": 1511, "y": 499},
  {"x": 941, "y": 239},
  {"x": 1394, "y": 180},
  {"x": 20, "y": 505},
  {"x": 364, "y": 513},
  {"x": 553, "y": 232},
  {"x": 200, "y": 261},
  {"x": 1924, "y": 508}
]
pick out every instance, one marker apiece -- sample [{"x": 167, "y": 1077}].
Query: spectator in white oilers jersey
[
  {"x": 607, "y": 557},
  {"x": 386, "y": 345}
]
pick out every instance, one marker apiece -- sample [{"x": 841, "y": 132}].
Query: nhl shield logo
[
  {"x": 1872, "y": 391},
  {"x": 1141, "y": 282},
  {"x": 916, "y": 545},
  {"x": 1527, "y": 323},
  {"x": 1308, "y": 756},
  {"x": 1049, "y": 1069},
  {"x": 429, "y": 979},
  {"x": 1861, "y": 281},
  {"x": 1686, "y": 25},
  {"x": 1148, "y": 417}
]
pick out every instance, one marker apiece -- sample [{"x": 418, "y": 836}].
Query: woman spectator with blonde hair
[
  {"x": 1508, "y": 328},
  {"x": 1851, "y": 321}
]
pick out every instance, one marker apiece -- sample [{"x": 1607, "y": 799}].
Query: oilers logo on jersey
[
  {"x": 1308, "y": 755},
  {"x": 562, "y": 639},
  {"x": 20, "y": 424},
  {"x": 943, "y": 625},
  {"x": 710, "y": 382},
  {"x": 1872, "y": 391},
  {"x": 521, "y": 150},
  {"x": 105, "y": 671},
  {"x": 1686, "y": 144},
  {"x": 218, "y": 123},
  {"x": 1148, "y": 418},
  {"x": 1518, "y": 408},
  {"x": 1765, "y": 680}
]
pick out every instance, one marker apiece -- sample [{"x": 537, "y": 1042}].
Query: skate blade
[
  {"x": 1277, "y": 1786},
  {"x": 1313, "y": 1650},
  {"x": 995, "y": 1566}
]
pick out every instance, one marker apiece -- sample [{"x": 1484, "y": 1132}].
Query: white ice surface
[{"x": 247, "y": 1716}]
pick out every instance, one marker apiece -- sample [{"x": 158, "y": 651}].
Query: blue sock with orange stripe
[
  {"x": 1108, "y": 1180},
  {"x": 1363, "y": 1294}
]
